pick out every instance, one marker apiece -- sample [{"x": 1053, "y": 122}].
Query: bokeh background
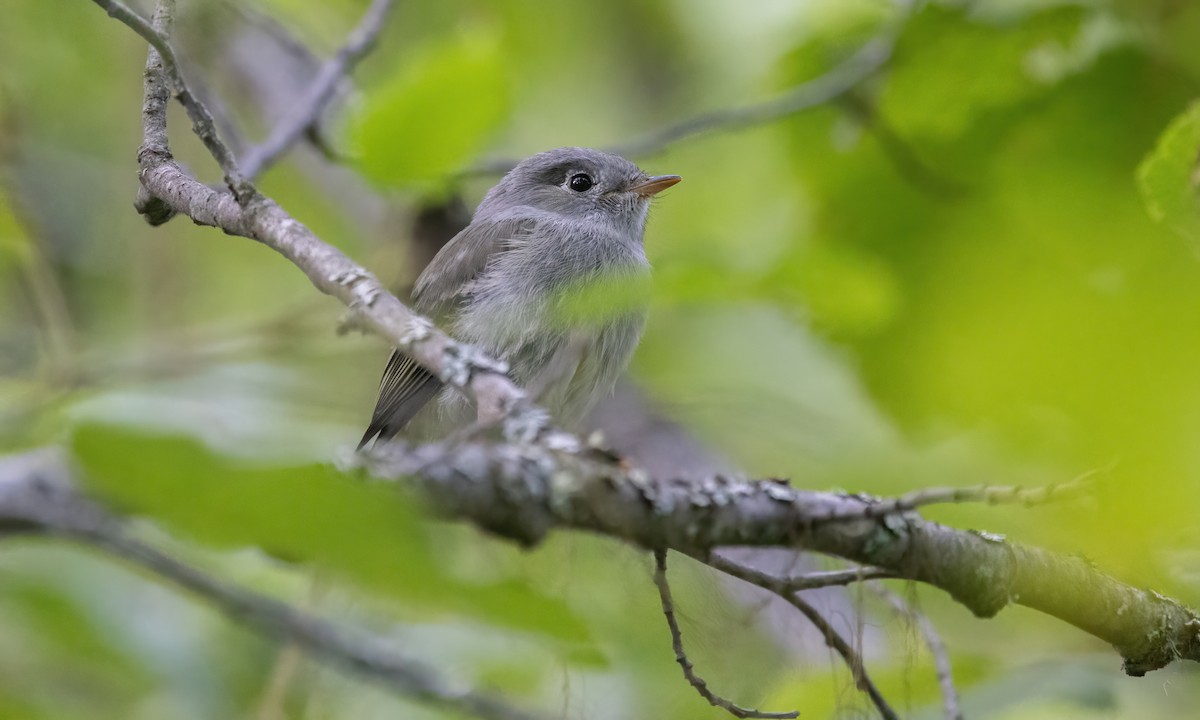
[{"x": 975, "y": 268}]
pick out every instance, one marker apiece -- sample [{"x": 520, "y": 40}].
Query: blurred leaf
[
  {"x": 14, "y": 246},
  {"x": 950, "y": 67},
  {"x": 64, "y": 628},
  {"x": 308, "y": 513},
  {"x": 1170, "y": 177},
  {"x": 838, "y": 29},
  {"x": 436, "y": 112},
  {"x": 1048, "y": 690},
  {"x": 849, "y": 293},
  {"x": 910, "y": 683}
]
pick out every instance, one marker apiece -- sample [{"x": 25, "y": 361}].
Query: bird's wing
[
  {"x": 406, "y": 386},
  {"x": 447, "y": 281}
]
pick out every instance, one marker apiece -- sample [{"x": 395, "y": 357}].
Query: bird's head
[{"x": 580, "y": 183}]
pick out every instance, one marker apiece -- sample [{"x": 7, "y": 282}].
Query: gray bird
[{"x": 557, "y": 224}]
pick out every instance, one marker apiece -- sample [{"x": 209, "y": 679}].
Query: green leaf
[
  {"x": 368, "y": 532},
  {"x": 14, "y": 246},
  {"x": 1169, "y": 177},
  {"x": 437, "y": 111},
  {"x": 950, "y": 67}
]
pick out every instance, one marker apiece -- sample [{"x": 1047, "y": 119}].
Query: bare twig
[
  {"x": 873, "y": 507},
  {"x": 833, "y": 578},
  {"x": 35, "y": 498},
  {"x": 814, "y": 93},
  {"x": 309, "y": 108},
  {"x": 933, "y": 640},
  {"x": 818, "y": 91},
  {"x": 158, "y": 35},
  {"x": 689, "y": 672},
  {"x": 832, "y": 638}
]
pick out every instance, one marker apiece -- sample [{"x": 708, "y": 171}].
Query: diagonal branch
[
  {"x": 169, "y": 189},
  {"x": 689, "y": 672},
  {"x": 158, "y": 35},
  {"x": 834, "y": 578},
  {"x": 990, "y": 494},
  {"x": 309, "y": 108},
  {"x": 832, "y": 638},
  {"x": 35, "y": 498},
  {"x": 933, "y": 640},
  {"x": 523, "y": 492},
  {"x": 819, "y": 91}
]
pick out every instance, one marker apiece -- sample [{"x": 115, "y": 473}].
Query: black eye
[{"x": 581, "y": 182}]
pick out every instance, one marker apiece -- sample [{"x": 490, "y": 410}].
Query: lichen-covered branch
[
  {"x": 158, "y": 33},
  {"x": 524, "y": 491}
]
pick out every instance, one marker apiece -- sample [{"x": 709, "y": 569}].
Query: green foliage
[
  {"x": 951, "y": 67},
  {"x": 1169, "y": 179},
  {"x": 435, "y": 113},
  {"x": 948, "y": 279},
  {"x": 312, "y": 514},
  {"x": 14, "y": 247}
]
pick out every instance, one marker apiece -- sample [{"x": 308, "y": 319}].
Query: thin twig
[
  {"x": 689, "y": 672},
  {"x": 834, "y": 578},
  {"x": 308, "y": 110},
  {"x": 158, "y": 35},
  {"x": 933, "y": 640},
  {"x": 990, "y": 494},
  {"x": 832, "y": 638},
  {"x": 35, "y": 496},
  {"x": 814, "y": 93}
]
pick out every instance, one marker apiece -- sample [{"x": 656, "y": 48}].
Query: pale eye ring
[{"x": 581, "y": 182}]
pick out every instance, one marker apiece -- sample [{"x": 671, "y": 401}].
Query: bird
[{"x": 560, "y": 222}]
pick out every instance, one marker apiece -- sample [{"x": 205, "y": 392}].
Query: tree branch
[
  {"x": 158, "y": 35},
  {"x": 689, "y": 672},
  {"x": 524, "y": 491},
  {"x": 35, "y": 497},
  {"x": 309, "y": 108},
  {"x": 832, "y": 638},
  {"x": 816, "y": 92},
  {"x": 834, "y": 578},
  {"x": 990, "y": 494},
  {"x": 933, "y": 640}
]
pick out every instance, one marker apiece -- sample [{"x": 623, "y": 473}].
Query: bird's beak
[{"x": 654, "y": 185}]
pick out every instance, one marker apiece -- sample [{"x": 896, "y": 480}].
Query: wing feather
[{"x": 406, "y": 387}]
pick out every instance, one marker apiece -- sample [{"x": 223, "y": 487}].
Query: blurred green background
[{"x": 977, "y": 268}]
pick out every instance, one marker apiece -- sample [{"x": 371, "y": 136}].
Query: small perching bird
[{"x": 556, "y": 226}]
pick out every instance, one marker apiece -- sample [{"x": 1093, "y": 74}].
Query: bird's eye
[{"x": 581, "y": 182}]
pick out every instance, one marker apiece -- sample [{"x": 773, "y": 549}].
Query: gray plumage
[{"x": 557, "y": 223}]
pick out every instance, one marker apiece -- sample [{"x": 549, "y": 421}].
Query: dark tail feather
[
  {"x": 393, "y": 412},
  {"x": 372, "y": 430}
]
